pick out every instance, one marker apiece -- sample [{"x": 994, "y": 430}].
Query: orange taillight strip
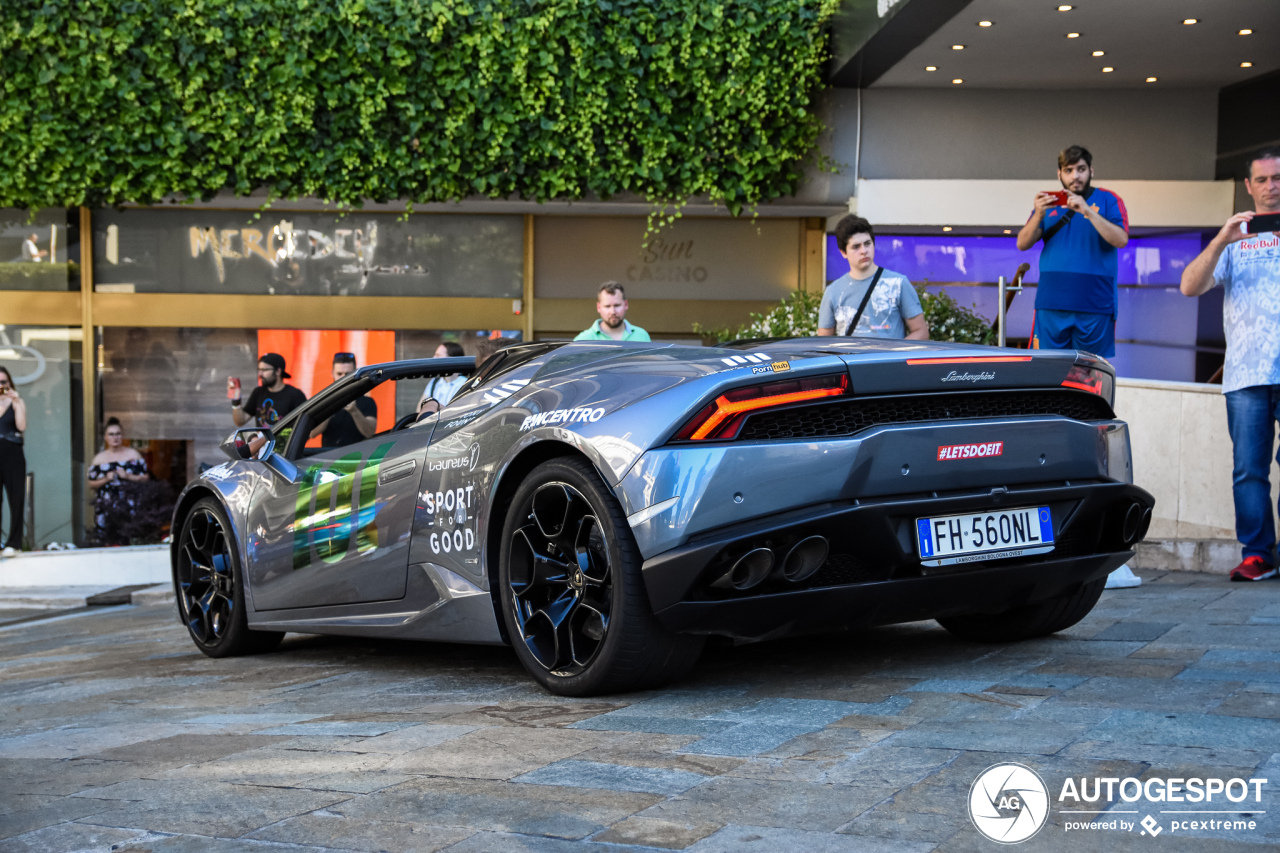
[
  {"x": 726, "y": 409},
  {"x": 1083, "y": 386},
  {"x": 973, "y": 360}
]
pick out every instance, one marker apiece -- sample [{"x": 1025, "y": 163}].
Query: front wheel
[
  {"x": 210, "y": 586},
  {"x": 572, "y": 595},
  {"x": 1030, "y": 620}
]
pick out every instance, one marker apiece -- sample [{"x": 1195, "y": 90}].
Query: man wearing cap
[{"x": 271, "y": 400}]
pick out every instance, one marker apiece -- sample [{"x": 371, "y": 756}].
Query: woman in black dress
[
  {"x": 111, "y": 469},
  {"x": 13, "y": 463}
]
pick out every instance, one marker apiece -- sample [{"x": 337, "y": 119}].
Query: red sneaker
[{"x": 1253, "y": 569}]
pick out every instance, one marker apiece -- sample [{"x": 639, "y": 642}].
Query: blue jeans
[{"x": 1251, "y": 416}]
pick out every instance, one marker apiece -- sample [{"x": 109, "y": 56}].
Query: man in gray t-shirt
[{"x": 893, "y": 311}]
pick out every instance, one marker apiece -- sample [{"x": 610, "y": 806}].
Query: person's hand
[
  {"x": 1078, "y": 204},
  {"x": 1044, "y": 201},
  {"x": 1232, "y": 232}
]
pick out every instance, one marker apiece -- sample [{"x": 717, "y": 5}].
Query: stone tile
[
  {"x": 1147, "y": 694},
  {"x": 531, "y": 714},
  {"x": 331, "y": 830},
  {"x": 950, "y": 685},
  {"x": 1130, "y": 631},
  {"x": 655, "y": 756},
  {"x": 274, "y": 766},
  {"x": 499, "y": 807},
  {"x": 49, "y": 814},
  {"x": 1162, "y": 756},
  {"x": 497, "y": 753},
  {"x": 809, "y": 713},
  {"x": 334, "y": 729},
  {"x": 650, "y": 832},
  {"x": 1251, "y": 704},
  {"x": 1100, "y": 668},
  {"x": 185, "y": 749},
  {"x": 1011, "y": 736},
  {"x": 506, "y": 842},
  {"x": 1052, "y": 682},
  {"x": 796, "y": 805},
  {"x": 58, "y": 777},
  {"x": 622, "y": 722},
  {"x": 613, "y": 777},
  {"x": 212, "y": 808},
  {"x": 766, "y": 839},
  {"x": 408, "y": 739},
  {"x": 745, "y": 739},
  {"x": 899, "y": 825},
  {"x": 890, "y": 767},
  {"x": 72, "y": 836},
  {"x": 876, "y": 728},
  {"x": 1204, "y": 730}
]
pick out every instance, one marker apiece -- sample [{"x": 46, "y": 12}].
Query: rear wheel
[
  {"x": 210, "y": 586},
  {"x": 1030, "y": 620},
  {"x": 572, "y": 594}
]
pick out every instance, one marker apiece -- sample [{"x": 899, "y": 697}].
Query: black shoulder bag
[
  {"x": 866, "y": 297},
  {"x": 1058, "y": 226}
]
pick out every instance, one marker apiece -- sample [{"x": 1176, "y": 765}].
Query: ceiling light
[
  {"x": 1065, "y": 8},
  {"x": 1246, "y": 64},
  {"x": 1151, "y": 79},
  {"x": 1073, "y": 35},
  {"x": 1008, "y": 230},
  {"x": 1246, "y": 32},
  {"x": 957, "y": 47},
  {"x": 1189, "y": 21},
  {"x": 946, "y": 227},
  {"x": 931, "y": 68},
  {"x": 1099, "y": 53},
  {"x": 957, "y": 81},
  {"x": 1107, "y": 69},
  {"x": 984, "y": 23}
]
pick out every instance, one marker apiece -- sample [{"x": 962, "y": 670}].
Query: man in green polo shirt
[{"x": 611, "y": 305}]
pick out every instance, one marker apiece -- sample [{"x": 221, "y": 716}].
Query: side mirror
[{"x": 250, "y": 443}]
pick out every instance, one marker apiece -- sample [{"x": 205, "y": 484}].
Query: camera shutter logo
[{"x": 1008, "y": 803}]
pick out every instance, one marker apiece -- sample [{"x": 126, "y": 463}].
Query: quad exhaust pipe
[{"x": 801, "y": 561}]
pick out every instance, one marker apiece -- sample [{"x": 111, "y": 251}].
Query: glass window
[
  {"x": 45, "y": 364},
  {"x": 309, "y": 254},
  {"x": 39, "y": 251}
]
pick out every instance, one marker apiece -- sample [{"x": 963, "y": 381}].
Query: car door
[{"x": 340, "y": 533}]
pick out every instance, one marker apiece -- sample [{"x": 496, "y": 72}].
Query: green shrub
[
  {"x": 111, "y": 101},
  {"x": 797, "y": 317}
]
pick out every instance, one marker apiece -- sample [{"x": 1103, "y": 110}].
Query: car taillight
[
  {"x": 1092, "y": 380},
  {"x": 723, "y": 418}
]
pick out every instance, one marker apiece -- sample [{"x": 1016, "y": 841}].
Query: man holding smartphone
[
  {"x": 1082, "y": 227},
  {"x": 1246, "y": 262},
  {"x": 271, "y": 400}
]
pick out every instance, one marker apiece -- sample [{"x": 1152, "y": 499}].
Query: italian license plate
[{"x": 948, "y": 539}]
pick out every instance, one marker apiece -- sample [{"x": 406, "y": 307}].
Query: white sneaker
[
  {"x": 8, "y": 552},
  {"x": 1123, "y": 578}
]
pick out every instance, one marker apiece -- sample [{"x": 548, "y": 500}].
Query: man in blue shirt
[
  {"x": 1248, "y": 268},
  {"x": 1082, "y": 229},
  {"x": 890, "y": 310}
]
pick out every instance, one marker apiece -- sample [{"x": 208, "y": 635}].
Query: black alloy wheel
[
  {"x": 561, "y": 580},
  {"x": 210, "y": 589},
  {"x": 572, "y": 596}
]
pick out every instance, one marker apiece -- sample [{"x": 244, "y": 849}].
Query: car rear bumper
[{"x": 873, "y": 574}]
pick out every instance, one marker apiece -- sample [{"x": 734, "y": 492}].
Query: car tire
[
  {"x": 1030, "y": 620},
  {"x": 571, "y": 592},
  {"x": 209, "y": 583}
]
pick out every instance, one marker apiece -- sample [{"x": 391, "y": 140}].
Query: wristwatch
[{"x": 235, "y": 404}]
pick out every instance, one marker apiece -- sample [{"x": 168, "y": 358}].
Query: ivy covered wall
[{"x": 111, "y": 101}]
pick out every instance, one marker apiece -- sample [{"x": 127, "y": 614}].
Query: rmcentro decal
[{"x": 562, "y": 416}]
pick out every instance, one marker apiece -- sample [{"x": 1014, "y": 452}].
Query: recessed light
[
  {"x": 946, "y": 227},
  {"x": 931, "y": 68},
  {"x": 1151, "y": 79},
  {"x": 1073, "y": 35},
  {"x": 1189, "y": 21},
  {"x": 1065, "y": 8},
  {"x": 1099, "y": 53},
  {"x": 984, "y": 23},
  {"x": 1107, "y": 69},
  {"x": 1246, "y": 64},
  {"x": 1246, "y": 32},
  {"x": 1008, "y": 230},
  {"x": 957, "y": 47},
  {"x": 957, "y": 81}
]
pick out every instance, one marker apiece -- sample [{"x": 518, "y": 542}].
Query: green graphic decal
[{"x": 330, "y": 508}]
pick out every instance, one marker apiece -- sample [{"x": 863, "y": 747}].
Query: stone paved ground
[{"x": 116, "y": 734}]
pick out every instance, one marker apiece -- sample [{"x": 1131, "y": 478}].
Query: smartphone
[
  {"x": 233, "y": 389},
  {"x": 1059, "y": 197},
  {"x": 1262, "y": 223}
]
